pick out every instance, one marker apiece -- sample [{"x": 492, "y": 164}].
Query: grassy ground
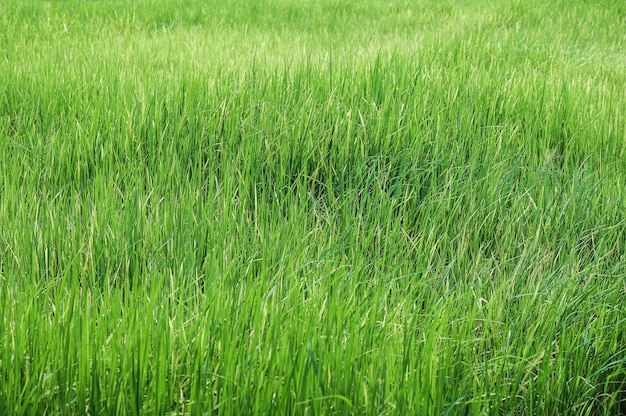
[{"x": 324, "y": 207}]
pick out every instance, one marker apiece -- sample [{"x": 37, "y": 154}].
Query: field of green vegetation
[{"x": 316, "y": 207}]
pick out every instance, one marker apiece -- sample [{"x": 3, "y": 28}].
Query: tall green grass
[{"x": 329, "y": 207}]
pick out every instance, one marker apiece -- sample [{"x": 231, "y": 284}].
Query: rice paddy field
[{"x": 324, "y": 207}]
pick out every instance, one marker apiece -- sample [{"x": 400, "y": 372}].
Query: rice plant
[{"x": 324, "y": 207}]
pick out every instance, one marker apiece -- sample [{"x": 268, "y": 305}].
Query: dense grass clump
[{"x": 324, "y": 207}]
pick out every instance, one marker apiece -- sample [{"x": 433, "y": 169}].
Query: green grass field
[{"x": 319, "y": 207}]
